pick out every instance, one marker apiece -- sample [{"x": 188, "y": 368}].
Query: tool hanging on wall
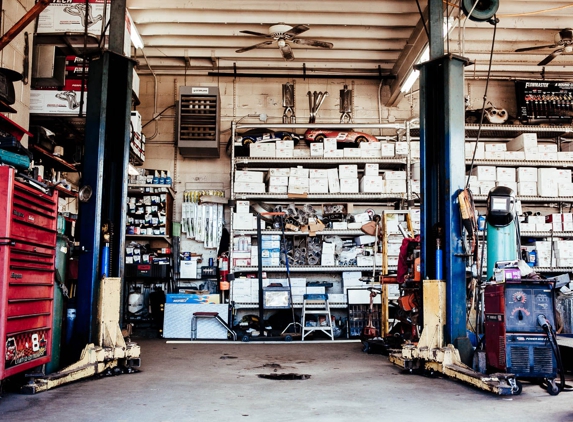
[
  {"x": 202, "y": 222},
  {"x": 346, "y": 105},
  {"x": 315, "y": 100},
  {"x": 288, "y": 103}
]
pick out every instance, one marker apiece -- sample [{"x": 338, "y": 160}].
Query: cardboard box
[
  {"x": 527, "y": 188},
  {"x": 489, "y": 146},
  {"x": 564, "y": 176},
  {"x": 546, "y": 185},
  {"x": 56, "y": 19},
  {"x": 249, "y": 176},
  {"x": 301, "y": 153},
  {"x": 279, "y": 172},
  {"x": 278, "y": 189},
  {"x": 334, "y": 185},
  {"x": 494, "y": 155},
  {"x": 523, "y": 142},
  {"x": 372, "y": 184},
  {"x": 510, "y": 185},
  {"x": 401, "y": 148},
  {"x": 370, "y": 153},
  {"x": 288, "y": 144},
  {"x": 298, "y": 181},
  {"x": 546, "y": 147},
  {"x": 297, "y": 190},
  {"x": 352, "y": 153},
  {"x": 505, "y": 174},
  {"x": 396, "y": 186},
  {"x": 394, "y": 175},
  {"x": 371, "y": 169},
  {"x": 284, "y": 152},
  {"x": 547, "y": 156},
  {"x": 514, "y": 155},
  {"x": 318, "y": 174},
  {"x": 330, "y": 143},
  {"x": 526, "y": 174},
  {"x": 387, "y": 150},
  {"x": 485, "y": 186},
  {"x": 371, "y": 145},
  {"x": 262, "y": 149},
  {"x": 470, "y": 147},
  {"x": 55, "y": 102},
  {"x": 565, "y": 156},
  {"x": 316, "y": 149},
  {"x": 333, "y": 153},
  {"x": 243, "y": 207},
  {"x": 278, "y": 181},
  {"x": 565, "y": 189},
  {"x": 349, "y": 185},
  {"x": 246, "y": 221},
  {"x": 318, "y": 186},
  {"x": 243, "y": 187},
  {"x": 332, "y": 174},
  {"x": 485, "y": 173},
  {"x": 568, "y": 226},
  {"x": 299, "y": 172},
  {"x": 348, "y": 171}
]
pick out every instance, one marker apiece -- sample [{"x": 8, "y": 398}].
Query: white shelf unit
[
  {"x": 377, "y": 201},
  {"x": 544, "y": 204}
]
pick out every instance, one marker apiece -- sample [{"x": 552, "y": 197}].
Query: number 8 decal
[{"x": 35, "y": 343}]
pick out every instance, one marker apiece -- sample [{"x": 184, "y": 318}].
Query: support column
[
  {"x": 442, "y": 136},
  {"x": 106, "y": 157}
]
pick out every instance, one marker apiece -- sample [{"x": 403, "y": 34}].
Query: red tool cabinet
[{"x": 28, "y": 228}]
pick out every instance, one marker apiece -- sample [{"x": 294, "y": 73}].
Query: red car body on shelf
[{"x": 318, "y": 135}]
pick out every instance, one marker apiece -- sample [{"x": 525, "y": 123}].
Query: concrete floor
[{"x": 218, "y": 382}]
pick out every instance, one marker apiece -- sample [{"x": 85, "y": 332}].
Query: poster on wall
[{"x": 25, "y": 347}]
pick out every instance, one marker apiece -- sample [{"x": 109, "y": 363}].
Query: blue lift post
[
  {"x": 442, "y": 165},
  {"x": 106, "y": 157}
]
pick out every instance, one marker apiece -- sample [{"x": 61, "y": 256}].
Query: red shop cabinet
[{"x": 28, "y": 229}]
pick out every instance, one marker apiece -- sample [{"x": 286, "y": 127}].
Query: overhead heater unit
[{"x": 198, "y": 117}]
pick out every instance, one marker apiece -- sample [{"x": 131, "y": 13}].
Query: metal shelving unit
[{"x": 362, "y": 199}]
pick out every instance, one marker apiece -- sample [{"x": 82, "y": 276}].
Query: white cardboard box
[
  {"x": 246, "y": 187},
  {"x": 318, "y": 174},
  {"x": 299, "y": 172},
  {"x": 494, "y": 155},
  {"x": 546, "y": 147},
  {"x": 387, "y": 150},
  {"x": 506, "y": 174},
  {"x": 244, "y": 221},
  {"x": 371, "y": 145},
  {"x": 279, "y": 172},
  {"x": 288, "y": 144},
  {"x": 316, "y": 149},
  {"x": 249, "y": 176},
  {"x": 546, "y": 185},
  {"x": 485, "y": 186},
  {"x": 523, "y": 142},
  {"x": 394, "y": 175},
  {"x": 370, "y": 153},
  {"x": 352, "y": 153},
  {"x": 348, "y": 171},
  {"x": 514, "y": 155},
  {"x": 332, "y": 174},
  {"x": 527, "y": 188},
  {"x": 318, "y": 186},
  {"x": 278, "y": 181},
  {"x": 396, "y": 186},
  {"x": 526, "y": 174},
  {"x": 485, "y": 173},
  {"x": 547, "y": 156},
  {"x": 372, "y": 184},
  {"x": 489, "y": 146},
  {"x": 371, "y": 169},
  {"x": 333, "y": 153},
  {"x": 243, "y": 207},
  {"x": 330, "y": 143},
  {"x": 469, "y": 150},
  {"x": 349, "y": 185},
  {"x": 401, "y": 148},
  {"x": 262, "y": 149},
  {"x": 278, "y": 189},
  {"x": 333, "y": 185},
  {"x": 510, "y": 185},
  {"x": 284, "y": 152},
  {"x": 565, "y": 189}
]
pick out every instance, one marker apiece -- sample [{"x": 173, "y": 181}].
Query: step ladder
[{"x": 316, "y": 304}]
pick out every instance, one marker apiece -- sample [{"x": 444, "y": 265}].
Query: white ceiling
[{"x": 369, "y": 36}]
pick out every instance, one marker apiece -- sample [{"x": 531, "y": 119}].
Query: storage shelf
[
  {"x": 521, "y": 163},
  {"x": 546, "y": 234},
  {"x": 309, "y": 268},
  {"x": 132, "y": 189},
  {"x": 318, "y": 160},
  {"x": 66, "y": 193},
  {"x": 249, "y": 305},
  {"x": 291, "y": 233},
  {"x": 553, "y": 269},
  {"x": 61, "y": 164},
  {"x": 532, "y": 198},
  {"x": 319, "y": 196},
  {"x": 148, "y": 236}
]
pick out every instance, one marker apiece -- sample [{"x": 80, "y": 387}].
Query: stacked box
[
  {"x": 370, "y": 149},
  {"x": 545, "y": 258},
  {"x": 372, "y": 184},
  {"x": 546, "y": 182},
  {"x": 470, "y": 147},
  {"x": 524, "y": 142}
]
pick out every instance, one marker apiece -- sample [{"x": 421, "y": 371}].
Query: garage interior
[{"x": 302, "y": 191}]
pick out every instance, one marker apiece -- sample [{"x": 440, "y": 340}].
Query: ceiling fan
[
  {"x": 281, "y": 33},
  {"x": 564, "y": 42}
]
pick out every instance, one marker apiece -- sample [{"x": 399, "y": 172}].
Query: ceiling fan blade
[
  {"x": 297, "y": 30},
  {"x": 287, "y": 52},
  {"x": 252, "y": 47},
  {"x": 258, "y": 34},
  {"x": 551, "y": 57},
  {"x": 536, "y": 48},
  {"x": 313, "y": 43}
]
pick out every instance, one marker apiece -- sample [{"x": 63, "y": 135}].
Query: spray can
[
  {"x": 532, "y": 258},
  {"x": 70, "y": 318},
  {"x": 481, "y": 223}
]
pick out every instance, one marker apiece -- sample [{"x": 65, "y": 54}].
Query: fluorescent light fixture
[
  {"x": 131, "y": 170},
  {"x": 136, "y": 39},
  {"x": 414, "y": 74},
  {"x": 449, "y": 24}
]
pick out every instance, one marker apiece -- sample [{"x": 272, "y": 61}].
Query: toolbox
[{"x": 18, "y": 161}]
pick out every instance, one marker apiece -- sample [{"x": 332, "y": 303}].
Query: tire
[
  {"x": 518, "y": 388},
  {"x": 319, "y": 138},
  {"x": 360, "y": 139},
  {"x": 248, "y": 141},
  {"x": 288, "y": 338},
  {"x": 286, "y": 138},
  {"x": 245, "y": 339},
  {"x": 552, "y": 387}
]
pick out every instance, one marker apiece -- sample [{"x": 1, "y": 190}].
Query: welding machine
[{"x": 518, "y": 316}]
